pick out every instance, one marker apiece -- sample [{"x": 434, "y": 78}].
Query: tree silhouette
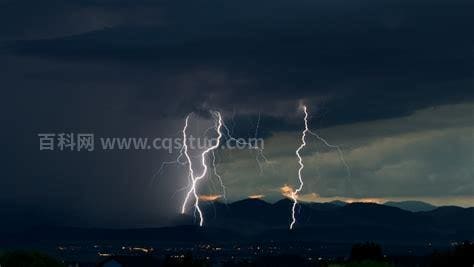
[
  {"x": 461, "y": 256},
  {"x": 366, "y": 251},
  {"x": 28, "y": 259}
]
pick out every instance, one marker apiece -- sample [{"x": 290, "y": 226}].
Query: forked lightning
[
  {"x": 294, "y": 193},
  {"x": 195, "y": 179}
]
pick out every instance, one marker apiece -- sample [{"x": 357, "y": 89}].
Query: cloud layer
[
  {"x": 390, "y": 81},
  {"x": 427, "y": 154}
]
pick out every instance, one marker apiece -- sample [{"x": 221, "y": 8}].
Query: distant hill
[
  {"x": 413, "y": 206},
  {"x": 338, "y": 202},
  {"x": 333, "y": 222},
  {"x": 256, "y": 220}
]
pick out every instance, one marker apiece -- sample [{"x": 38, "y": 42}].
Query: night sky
[{"x": 391, "y": 82}]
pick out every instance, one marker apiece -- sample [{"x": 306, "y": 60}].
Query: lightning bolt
[
  {"x": 338, "y": 148},
  {"x": 195, "y": 179},
  {"x": 259, "y": 151},
  {"x": 260, "y": 157},
  {"x": 219, "y": 177},
  {"x": 294, "y": 193},
  {"x": 184, "y": 158}
]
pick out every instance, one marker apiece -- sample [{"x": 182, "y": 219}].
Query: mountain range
[
  {"x": 256, "y": 220},
  {"x": 336, "y": 222},
  {"x": 411, "y": 205}
]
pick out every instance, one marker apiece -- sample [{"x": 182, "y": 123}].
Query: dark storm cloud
[
  {"x": 355, "y": 62},
  {"x": 29, "y": 19},
  {"x": 119, "y": 67}
]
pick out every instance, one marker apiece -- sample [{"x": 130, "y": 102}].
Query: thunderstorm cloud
[{"x": 391, "y": 82}]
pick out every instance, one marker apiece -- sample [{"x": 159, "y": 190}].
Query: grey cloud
[
  {"x": 414, "y": 156},
  {"x": 137, "y": 67},
  {"x": 354, "y": 63}
]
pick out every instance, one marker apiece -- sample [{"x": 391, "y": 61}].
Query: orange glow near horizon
[
  {"x": 286, "y": 191},
  {"x": 209, "y": 197},
  {"x": 365, "y": 200}
]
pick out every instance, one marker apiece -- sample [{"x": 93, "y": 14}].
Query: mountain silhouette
[
  {"x": 256, "y": 220},
  {"x": 335, "y": 222},
  {"x": 411, "y": 205}
]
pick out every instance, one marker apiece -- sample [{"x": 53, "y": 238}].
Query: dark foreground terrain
[{"x": 252, "y": 232}]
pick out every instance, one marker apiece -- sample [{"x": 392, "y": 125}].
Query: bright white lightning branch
[
  {"x": 196, "y": 179},
  {"x": 190, "y": 163},
  {"x": 260, "y": 156},
  {"x": 294, "y": 194},
  {"x": 184, "y": 158}
]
